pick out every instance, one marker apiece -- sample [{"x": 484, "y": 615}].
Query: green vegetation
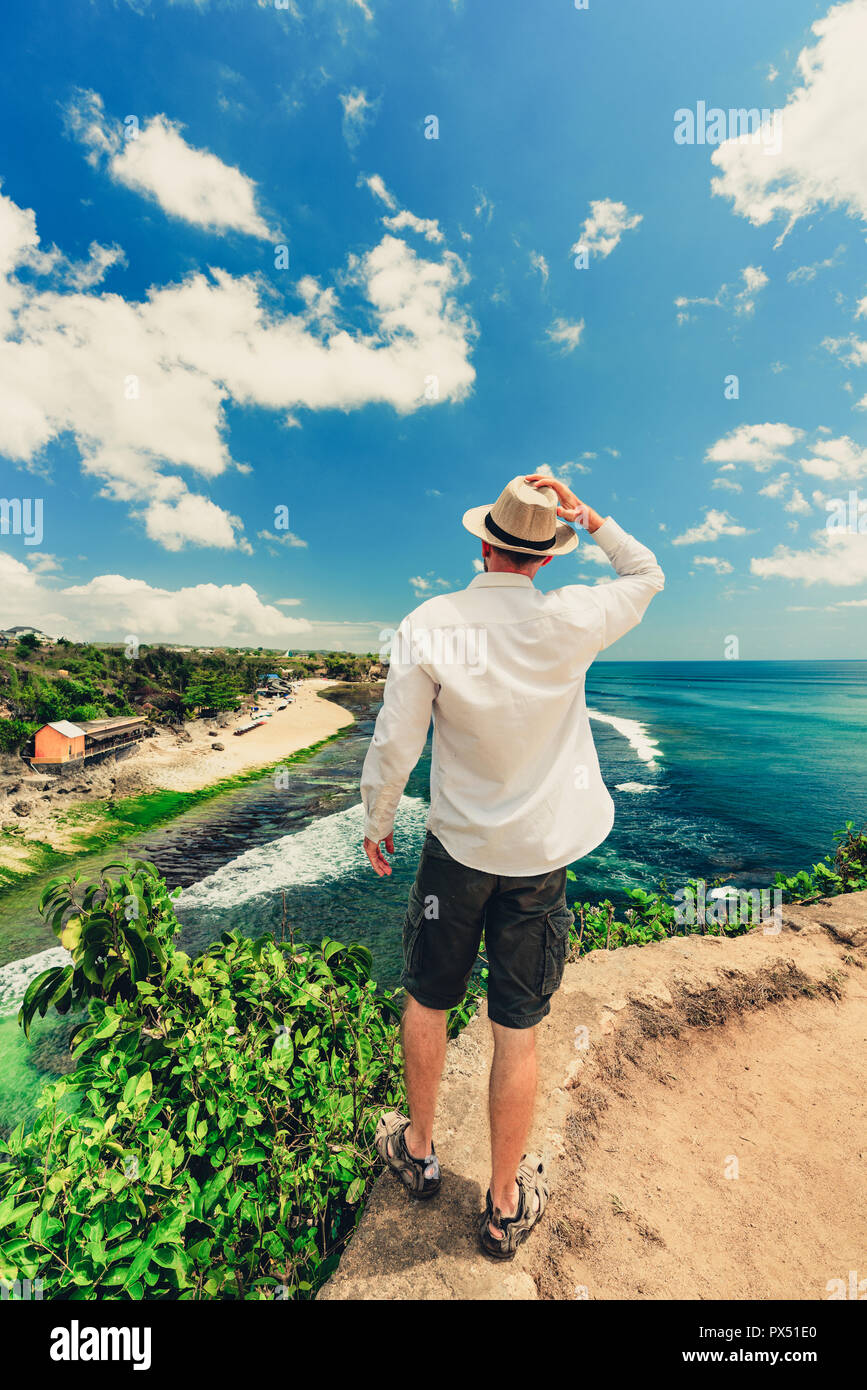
[
  {"x": 844, "y": 871},
  {"x": 164, "y": 683},
  {"x": 214, "y": 1139},
  {"x": 655, "y": 916}
]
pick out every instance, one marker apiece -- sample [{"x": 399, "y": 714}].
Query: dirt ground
[
  {"x": 732, "y": 1163},
  {"x": 701, "y": 1115}
]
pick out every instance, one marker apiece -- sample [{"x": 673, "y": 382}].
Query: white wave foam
[
  {"x": 636, "y": 735},
  {"x": 16, "y": 976},
  {"x": 634, "y": 787},
  {"x": 327, "y": 849}
]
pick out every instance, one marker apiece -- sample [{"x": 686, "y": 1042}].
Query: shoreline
[{"x": 163, "y": 778}]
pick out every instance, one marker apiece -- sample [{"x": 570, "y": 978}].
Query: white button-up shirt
[{"x": 515, "y": 781}]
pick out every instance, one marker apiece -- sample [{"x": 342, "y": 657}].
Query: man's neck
[{"x": 494, "y": 565}]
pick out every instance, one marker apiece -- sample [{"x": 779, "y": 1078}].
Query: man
[{"x": 516, "y": 796}]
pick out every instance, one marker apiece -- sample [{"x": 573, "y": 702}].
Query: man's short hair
[{"x": 518, "y": 558}]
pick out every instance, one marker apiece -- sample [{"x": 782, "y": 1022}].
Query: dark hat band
[{"x": 509, "y": 539}]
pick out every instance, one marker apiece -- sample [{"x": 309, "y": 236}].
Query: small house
[
  {"x": 60, "y": 742},
  {"x": 93, "y": 740}
]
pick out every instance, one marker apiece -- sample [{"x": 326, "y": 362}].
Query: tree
[{"x": 210, "y": 691}]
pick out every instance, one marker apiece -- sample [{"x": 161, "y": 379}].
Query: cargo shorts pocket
[
  {"x": 557, "y": 924},
  {"x": 412, "y": 931}
]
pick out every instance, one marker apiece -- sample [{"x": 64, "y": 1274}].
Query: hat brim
[{"x": 565, "y": 539}]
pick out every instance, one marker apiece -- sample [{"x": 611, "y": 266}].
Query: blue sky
[{"x": 172, "y": 394}]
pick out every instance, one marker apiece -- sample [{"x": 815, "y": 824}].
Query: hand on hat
[{"x": 570, "y": 508}]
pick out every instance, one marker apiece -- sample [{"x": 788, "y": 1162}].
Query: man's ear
[
  {"x": 547, "y": 560},
  {"x": 486, "y": 549}
]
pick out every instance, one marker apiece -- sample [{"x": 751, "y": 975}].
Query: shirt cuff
[
  {"x": 374, "y": 832},
  {"x": 609, "y": 535}
]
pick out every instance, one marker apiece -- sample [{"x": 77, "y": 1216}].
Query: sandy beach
[
  {"x": 34, "y": 807},
  {"x": 174, "y": 764}
]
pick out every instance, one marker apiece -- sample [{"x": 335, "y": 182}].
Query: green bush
[
  {"x": 653, "y": 916},
  {"x": 844, "y": 871},
  {"x": 215, "y": 1137},
  {"x": 14, "y": 733}
]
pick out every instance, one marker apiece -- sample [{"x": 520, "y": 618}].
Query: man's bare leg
[
  {"x": 423, "y": 1035},
  {"x": 512, "y": 1095}
]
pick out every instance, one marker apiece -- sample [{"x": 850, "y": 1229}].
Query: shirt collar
[{"x": 500, "y": 578}]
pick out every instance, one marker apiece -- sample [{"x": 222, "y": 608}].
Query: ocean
[{"x": 718, "y": 770}]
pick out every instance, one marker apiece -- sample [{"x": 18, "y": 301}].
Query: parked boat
[{"x": 245, "y": 728}]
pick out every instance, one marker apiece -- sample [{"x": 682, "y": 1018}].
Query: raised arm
[
  {"x": 624, "y": 601},
  {"x": 398, "y": 739}
]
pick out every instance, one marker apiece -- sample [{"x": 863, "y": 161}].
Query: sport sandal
[
  {"x": 531, "y": 1178},
  {"x": 421, "y": 1176}
]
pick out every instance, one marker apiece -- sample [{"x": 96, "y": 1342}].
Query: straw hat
[{"x": 523, "y": 518}]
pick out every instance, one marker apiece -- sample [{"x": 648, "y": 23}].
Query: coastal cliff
[{"x": 698, "y": 1113}]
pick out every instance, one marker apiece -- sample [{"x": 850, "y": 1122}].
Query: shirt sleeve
[
  {"x": 399, "y": 735},
  {"x": 623, "y": 602}
]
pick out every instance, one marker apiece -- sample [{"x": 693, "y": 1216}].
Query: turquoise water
[
  {"x": 756, "y": 765},
  {"x": 717, "y": 769}
]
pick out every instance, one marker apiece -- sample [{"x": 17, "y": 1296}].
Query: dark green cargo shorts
[{"x": 526, "y": 924}]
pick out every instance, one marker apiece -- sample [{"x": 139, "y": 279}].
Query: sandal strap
[
  {"x": 412, "y": 1171},
  {"x": 530, "y": 1179}
]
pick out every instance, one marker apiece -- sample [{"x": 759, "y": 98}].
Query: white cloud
[
  {"x": 836, "y": 458},
  {"x": 287, "y": 538},
  {"x": 188, "y": 183},
  {"x": 728, "y": 484},
  {"x": 603, "y": 229},
  {"x": 483, "y": 207},
  {"x": 742, "y": 300},
  {"x": 567, "y": 334},
  {"x": 809, "y": 272},
  {"x": 189, "y": 519},
  {"x": 797, "y": 502},
  {"x": 717, "y": 565},
  {"x": 851, "y": 349},
  {"x": 538, "y": 262},
  {"x": 594, "y": 554},
  {"x": 823, "y": 154},
  {"x": 427, "y": 226},
  {"x": 777, "y": 487},
  {"x": 142, "y": 386},
  {"x": 110, "y": 606},
  {"x": 423, "y": 584},
  {"x": 565, "y": 470},
  {"x": 357, "y": 113},
  {"x": 758, "y": 445},
  {"x": 838, "y": 557},
  {"x": 376, "y": 184},
  {"x": 715, "y": 524},
  {"x": 754, "y": 279}
]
